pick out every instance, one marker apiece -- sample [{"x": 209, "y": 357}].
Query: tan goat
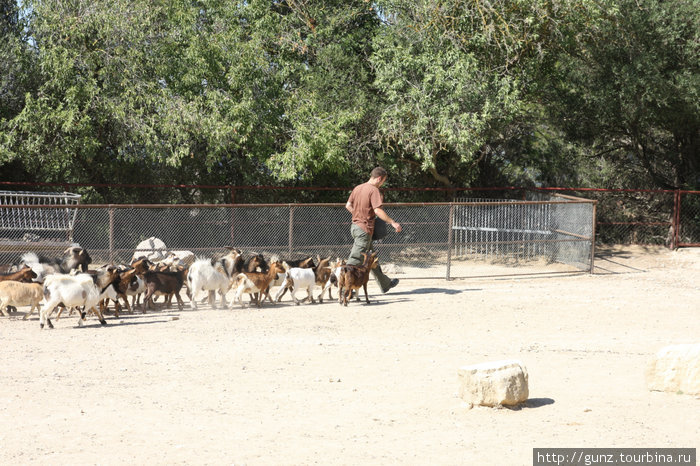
[{"x": 20, "y": 294}]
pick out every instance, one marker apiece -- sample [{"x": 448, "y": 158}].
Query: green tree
[
  {"x": 455, "y": 76},
  {"x": 329, "y": 106},
  {"x": 627, "y": 92}
]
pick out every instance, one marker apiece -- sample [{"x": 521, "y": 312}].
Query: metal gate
[{"x": 47, "y": 228}]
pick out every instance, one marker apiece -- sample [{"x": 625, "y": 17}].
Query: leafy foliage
[{"x": 294, "y": 92}]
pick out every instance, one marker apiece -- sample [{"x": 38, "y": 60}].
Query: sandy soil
[{"x": 366, "y": 384}]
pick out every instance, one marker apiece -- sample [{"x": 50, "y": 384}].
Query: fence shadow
[{"x": 614, "y": 260}]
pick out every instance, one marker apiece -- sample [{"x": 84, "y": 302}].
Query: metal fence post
[
  {"x": 291, "y": 228},
  {"x": 450, "y": 239},
  {"x": 111, "y": 235},
  {"x": 232, "y": 229},
  {"x": 676, "y": 222},
  {"x": 595, "y": 209}
]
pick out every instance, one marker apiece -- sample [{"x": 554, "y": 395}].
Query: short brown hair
[{"x": 378, "y": 172}]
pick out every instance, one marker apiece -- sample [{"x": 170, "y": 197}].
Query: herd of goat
[{"x": 67, "y": 282}]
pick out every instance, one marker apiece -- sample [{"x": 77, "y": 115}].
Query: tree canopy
[{"x": 299, "y": 93}]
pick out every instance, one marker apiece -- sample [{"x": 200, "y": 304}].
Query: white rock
[
  {"x": 184, "y": 258},
  {"x": 494, "y": 383},
  {"x": 392, "y": 269},
  {"x": 675, "y": 369},
  {"x": 153, "y": 248}
]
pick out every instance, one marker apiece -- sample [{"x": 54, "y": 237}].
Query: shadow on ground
[
  {"x": 532, "y": 403},
  {"x": 448, "y": 291}
]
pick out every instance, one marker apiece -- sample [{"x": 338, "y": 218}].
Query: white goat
[
  {"x": 212, "y": 275},
  {"x": 20, "y": 294},
  {"x": 297, "y": 278},
  {"x": 75, "y": 290}
]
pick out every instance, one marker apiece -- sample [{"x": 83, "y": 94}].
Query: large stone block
[
  {"x": 153, "y": 248},
  {"x": 675, "y": 369},
  {"x": 494, "y": 383}
]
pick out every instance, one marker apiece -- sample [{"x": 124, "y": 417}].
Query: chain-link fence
[
  {"x": 624, "y": 216},
  {"x": 448, "y": 240},
  {"x": 688, "y": 219}
]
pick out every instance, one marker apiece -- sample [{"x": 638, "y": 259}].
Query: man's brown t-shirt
[{"x": 364, "y": 199}]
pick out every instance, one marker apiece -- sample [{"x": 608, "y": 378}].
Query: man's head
[{"x": 378, "y": 175}]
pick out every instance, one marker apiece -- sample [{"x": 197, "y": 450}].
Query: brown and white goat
[
  {"x": 255, "y": 283},
  {"x": 352, "y": 277}
]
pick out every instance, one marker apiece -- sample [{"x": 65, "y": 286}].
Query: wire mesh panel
[
  {"x": 533, "y": 234},
  {"x": 633, "y": 217},
  {"x": 21, "y": 217},
  {"x": 41, "y": 221},
  {"x": 689, "y": 219},
  {"x": 446, "y": 240}
]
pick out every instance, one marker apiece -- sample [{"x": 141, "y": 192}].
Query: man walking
[{"x": 365, "y": 204}]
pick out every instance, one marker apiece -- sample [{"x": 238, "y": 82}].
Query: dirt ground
[{"x": 366, "y": 384}]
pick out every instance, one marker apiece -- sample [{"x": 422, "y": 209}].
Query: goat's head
[
  {"x": 111, "y": 273},
  {"x": 256, "y": 263},
  {"x": 307, "y": 263},
  {"x": 141, "y": 265},
  {"x": 26, "y": 274},
  {"x": 323, "y": 264},
  {"x": 277, "y": 268},
  {"x": 76, "y": 257},
  {"x": 373, "y": 261}
]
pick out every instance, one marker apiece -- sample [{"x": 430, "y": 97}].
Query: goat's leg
[
  {"x": 31, "y": 310},
  {"x": 2, "y": 309},
  {"x": 266, "y": 293},
  {"x": 212, "y": 298},
  {"x": 364, "y": 285},
  {"x": 45, "y": 312},
  {"x": 148, "y": 300},
  {"x": 125, "y": 298},
  {"x": 294, "y": 296},
  {"x": 104, "y": 305},
  {"x": 100, "y": 317},
  {"x": 180, "y": 302},
  {"x": 222, "y": 294},
  {"x": 236, "y": 298},
  {"x": 282, "y": 292},
  {"x": 327, "y": 286},
  {"x": 117, "y": 307}
]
